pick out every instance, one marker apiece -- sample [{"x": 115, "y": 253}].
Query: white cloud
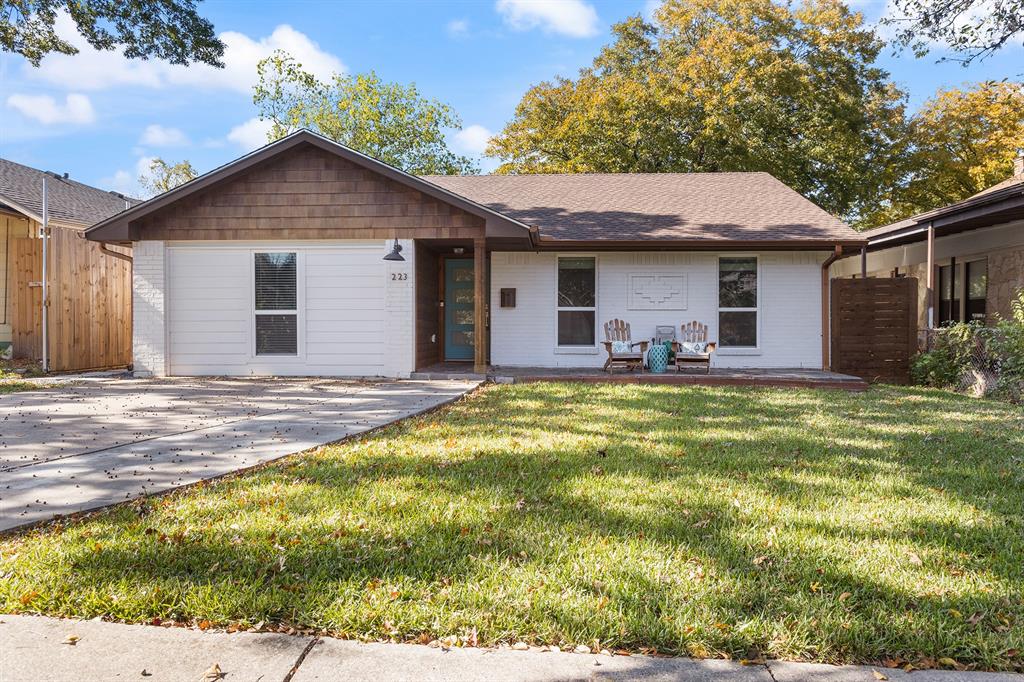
[
  {"x": 250, "y": 135},
  {"x": 92, "y": 69},
  {"x": 573, "y": 18},
  {"x": 457, "y": 27},
  {"x": 472, "y": 140},
  {"x": 157, "y": 135},
  {"x": 48, "y": 111},
  {"x": 127, "y": 182}
]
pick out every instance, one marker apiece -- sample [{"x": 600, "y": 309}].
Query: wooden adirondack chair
[
  {"x": 617, "y": 330},
  {"x": 693, "y": 332}
]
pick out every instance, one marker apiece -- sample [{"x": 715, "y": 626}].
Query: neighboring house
[
  {"x": 284, "y": 262},
  {"x": 89, "y": 291},
  {"x": 968, "y": 257}
]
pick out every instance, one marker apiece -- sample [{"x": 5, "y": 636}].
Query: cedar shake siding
[{"x": 307, "y": 193}]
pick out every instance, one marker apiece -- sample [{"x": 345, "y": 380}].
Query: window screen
[
  {"x": 737, "y": 302},
  {"x": 277, "y": 318},
  {"x": 577, "y": 301}
]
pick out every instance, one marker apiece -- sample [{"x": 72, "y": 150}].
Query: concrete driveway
[{"x": 87, "y": 445}]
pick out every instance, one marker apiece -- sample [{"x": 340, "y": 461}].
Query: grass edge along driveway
[{"x": 882, "y": 527}]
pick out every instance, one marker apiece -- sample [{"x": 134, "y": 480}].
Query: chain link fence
[{"x": 982, "y": 361}]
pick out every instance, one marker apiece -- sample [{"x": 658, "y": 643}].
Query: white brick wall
[
  {"x": 149, "y": 286},
  {"x": 790, "y": 307},
  {"x": 400, "y": 311}
]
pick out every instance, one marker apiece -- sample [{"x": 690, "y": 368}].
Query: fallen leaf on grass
[
  {"x": 948, "y": 662},
  {"x": 844, "y": 596},
  {"x": 878, "y": 676},
  {"x": 71, "y": 639},
  {"x": 914, "y": 559}
]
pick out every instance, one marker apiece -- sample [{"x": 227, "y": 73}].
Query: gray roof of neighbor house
[
  {"x": 1000, "y": 203},
  {"x": 70, "y": 202},
  {"x": 623, "y": 207}
]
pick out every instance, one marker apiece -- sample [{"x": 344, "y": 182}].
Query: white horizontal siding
[
  {"x": 790, "y": 307},
  {"x": 342, "y": 315}
]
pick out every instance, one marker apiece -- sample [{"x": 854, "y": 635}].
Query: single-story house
[
  {"x": 308, "y": 258},
  {"x": 89, "y": 289},
  {"x": 968, "y": 257}
]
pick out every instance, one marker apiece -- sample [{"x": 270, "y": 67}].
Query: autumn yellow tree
[
  {"x": 725, "y": 85},
  {"x": 964, "y": 140},
  {"x": 163, "y": 176}
]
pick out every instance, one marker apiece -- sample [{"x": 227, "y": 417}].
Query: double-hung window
[
  {"x": 737, "y": 302},
  {"x": 950, "y": 286},
  {"x": 977, "y": 289},
  {"x": 277, "y": 314},
  {"x": 577, "y": 301}
]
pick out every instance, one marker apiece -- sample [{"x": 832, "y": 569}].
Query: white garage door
[{"x": 278, "y": 310}]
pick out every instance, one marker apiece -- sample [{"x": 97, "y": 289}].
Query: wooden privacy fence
[
  {"x": 874, "y": 328},
  {"x": 89, "y": 316}
]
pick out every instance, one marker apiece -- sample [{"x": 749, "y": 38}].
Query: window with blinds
[{"x": 277, "y": 315}]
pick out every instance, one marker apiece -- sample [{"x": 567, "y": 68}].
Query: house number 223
[{"x": 399, "y": 276}]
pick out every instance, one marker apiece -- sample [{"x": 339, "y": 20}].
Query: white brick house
[{"x": 275, "y": 265}]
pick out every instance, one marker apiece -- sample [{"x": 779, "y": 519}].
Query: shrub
[{"x": 976, "y": 359}]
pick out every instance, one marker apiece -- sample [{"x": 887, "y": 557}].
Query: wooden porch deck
[{"x": 781, "y": 378}]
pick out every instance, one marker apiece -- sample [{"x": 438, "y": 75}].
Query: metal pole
[
  {"x": 46, "y": 290},
  {"x": 930, "y": 275}
]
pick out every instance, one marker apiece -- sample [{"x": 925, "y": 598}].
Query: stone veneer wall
[{"x": 1005, "y": 280}]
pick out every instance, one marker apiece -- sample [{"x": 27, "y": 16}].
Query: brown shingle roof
[
  {"x": 21, "y": 187},
  {"x": 657, "y": 206}
]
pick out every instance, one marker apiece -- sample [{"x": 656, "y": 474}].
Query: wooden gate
[
  {"x": 27, "y": 298},
  {"x": 89, "y": 316},
  {"x": 874, "y": 328}
]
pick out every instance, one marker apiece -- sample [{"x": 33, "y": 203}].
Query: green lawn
[
  {"x": 743, "y": 522},
  {"x": 11, "y": 381}
]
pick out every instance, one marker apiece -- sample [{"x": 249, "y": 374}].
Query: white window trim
[
  {"x": 299, "y": 312},
  {"x": 585, "y": 349},
  {"x": 739, "y": 350}
]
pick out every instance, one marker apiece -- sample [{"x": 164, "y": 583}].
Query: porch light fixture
[
  {"x": 458, "y": 250},
  {"x": 396, "y": 252}
]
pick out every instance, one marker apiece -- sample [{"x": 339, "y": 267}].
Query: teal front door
[{"x": 458, "y": 309}]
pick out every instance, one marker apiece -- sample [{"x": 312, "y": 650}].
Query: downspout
[
  {"x": 825, "y": 359},
  {"x": 115, "y": 254},
  {"x": 131, "y": 273}
]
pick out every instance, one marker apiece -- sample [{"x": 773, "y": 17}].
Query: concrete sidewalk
[{"x": 37, "y": 649}]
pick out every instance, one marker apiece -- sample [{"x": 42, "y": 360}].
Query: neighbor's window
[
  {"x": 277, "y": 315},
  {"x": 977, "y": 289},
  {"x": 577, "y": 301},
  {"x": 949, "y": 294},
  {"x": 737, "y": 302}
]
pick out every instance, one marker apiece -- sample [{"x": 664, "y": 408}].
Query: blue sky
[{"x": 99, "y": 117}]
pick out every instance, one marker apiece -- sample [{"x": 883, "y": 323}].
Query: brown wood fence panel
[
  {"x": 89, "y": 318},
  {"x": 26, "y": 298},
  {"x": 874, "y": 327}
]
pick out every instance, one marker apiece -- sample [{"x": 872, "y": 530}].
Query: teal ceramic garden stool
[{"x": 657, "y": 358}]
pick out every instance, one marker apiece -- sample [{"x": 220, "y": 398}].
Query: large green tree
[
  {"x": 724, "y": 85},
  {"x": 964, "y": 140},
  {"x": 389, "y": 121},
  {"x": 165, "y": 29}
]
